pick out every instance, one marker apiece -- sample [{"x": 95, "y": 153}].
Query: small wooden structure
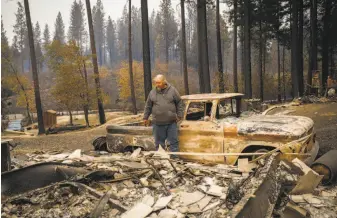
[{"x": 49, "y": 118}]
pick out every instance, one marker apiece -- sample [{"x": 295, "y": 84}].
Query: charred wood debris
[{"x": 147, "y": 184}]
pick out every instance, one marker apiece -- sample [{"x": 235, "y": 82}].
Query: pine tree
[
  {"x": 5, "y": 52},
  {"x": 111, "y": 40},
  {"x": 169, "y": 26},
  {"x": 20, "y": 31},
  {"x": 46, "y": 36},
  {"x": 38, "y": 48},
  {"x": 77, "y": 30},
  {"x": 59, "y": 33},
  {"x": 98, "y": 23}
]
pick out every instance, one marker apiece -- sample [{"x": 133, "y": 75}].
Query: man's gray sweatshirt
[{"x": 165, "y": 105}]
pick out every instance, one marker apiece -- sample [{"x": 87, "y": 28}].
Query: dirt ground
[
  {"x": 71, "y": 140},
  {"x": 324, "y": 116}
]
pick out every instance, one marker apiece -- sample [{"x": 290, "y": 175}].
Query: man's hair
[{"x": 160, "y": 78}]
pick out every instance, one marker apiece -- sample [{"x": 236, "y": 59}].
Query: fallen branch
[
  {"x": 98, "y": 194},
  {"x": 100, "y": 205}
]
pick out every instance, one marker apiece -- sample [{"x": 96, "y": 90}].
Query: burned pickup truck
[{"x": 213, "y": 123}]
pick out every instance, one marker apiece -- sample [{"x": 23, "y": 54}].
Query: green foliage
[{"x": 69, "y": 88}]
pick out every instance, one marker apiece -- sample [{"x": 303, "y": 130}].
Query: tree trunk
[
  {"x": 34, "y": 70},
  {"x": 242, "y": 39},
  {"x": 94, "y": 62},
  {"x": 284, "y": 78},
  {"x": 300, "y": 49},
  {"x": 313, "y": 49},
  {"x": 219, "y": 52},
  {"x": 294, "y": 49},
  {"x": 203, "y": 44},
  {"x": 133, "y": 96},
  {"x": 146, "y": 49},
  {"x": 200, "y": 42},
  {"x": 260, "y": 53},
  {"x": 28, "y": 114},
  {"x": 325, "y": 42},
  {"x": 235, "y": 47},
  {"x": 278, "y": 71},
  {"x": 166, "y": 46},
  {"x": 247, "y": 61},
  {"x": 332, "y": 62},
  {"x": 71, "y": 117},
  {"x": 183, "y": 46},
  {"x": 86, "y": 105}
]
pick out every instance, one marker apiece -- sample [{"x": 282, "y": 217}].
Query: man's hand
[
  {"x": 146, "y": 122},
  {"x": 178, "y": 119}
]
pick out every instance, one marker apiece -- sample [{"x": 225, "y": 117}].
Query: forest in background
[{"x": 266, "y": 49}]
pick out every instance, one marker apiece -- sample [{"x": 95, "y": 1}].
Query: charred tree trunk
[
  {"x": 235, "y": 47},
  {"x": 247, "y": 61},
  {"x": 294, "y": 49},
  {"x": 86, "y": 105},
  {"x": 166, "y": 43},
  {"x": 132, "y": 88},
  {"x": 313, "y": 49},
  {"x": 34, "y": 70},
  {"x": 71, "y": 122},
  {"x": 146, "y": 49},
  {"x": 183, "y": 46},
  {"x": 203, "y": 44},
  {"x": 260, "y": 53},
  {"x": 219, "y": 52},
  {"x": 300, "y": 49},
  {"x": 94, "y": 62},
  {"x": 200, "y": 42},
  {"x": 278, "y": 71},
  {"x": 325, "y": 42},
  {"x": 284, "y": 77}
]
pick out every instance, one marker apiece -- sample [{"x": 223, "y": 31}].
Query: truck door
[{"x": 198, "y": 132}]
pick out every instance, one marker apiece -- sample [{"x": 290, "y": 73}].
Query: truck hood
[{"x": 275, "y": 125}]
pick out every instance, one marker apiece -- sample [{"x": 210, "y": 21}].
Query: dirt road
[{"x": 325, "y": 119}]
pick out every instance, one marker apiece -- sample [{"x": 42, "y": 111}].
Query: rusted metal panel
[{"x": 200, "y": 136}]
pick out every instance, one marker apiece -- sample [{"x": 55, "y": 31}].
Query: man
[{"x": 167, "y": 109}]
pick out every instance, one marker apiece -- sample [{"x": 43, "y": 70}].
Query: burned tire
[
  {"x": 100, "y": 144},
  {"x": 114, "y": 148}
]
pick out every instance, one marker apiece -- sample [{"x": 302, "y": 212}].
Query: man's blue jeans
[{"x": 169, "y": 132}]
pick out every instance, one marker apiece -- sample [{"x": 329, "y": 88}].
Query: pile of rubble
[{"x": 150, "y": 184}]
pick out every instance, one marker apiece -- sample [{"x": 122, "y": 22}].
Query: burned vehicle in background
[{"x": 213, "y": 123}]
